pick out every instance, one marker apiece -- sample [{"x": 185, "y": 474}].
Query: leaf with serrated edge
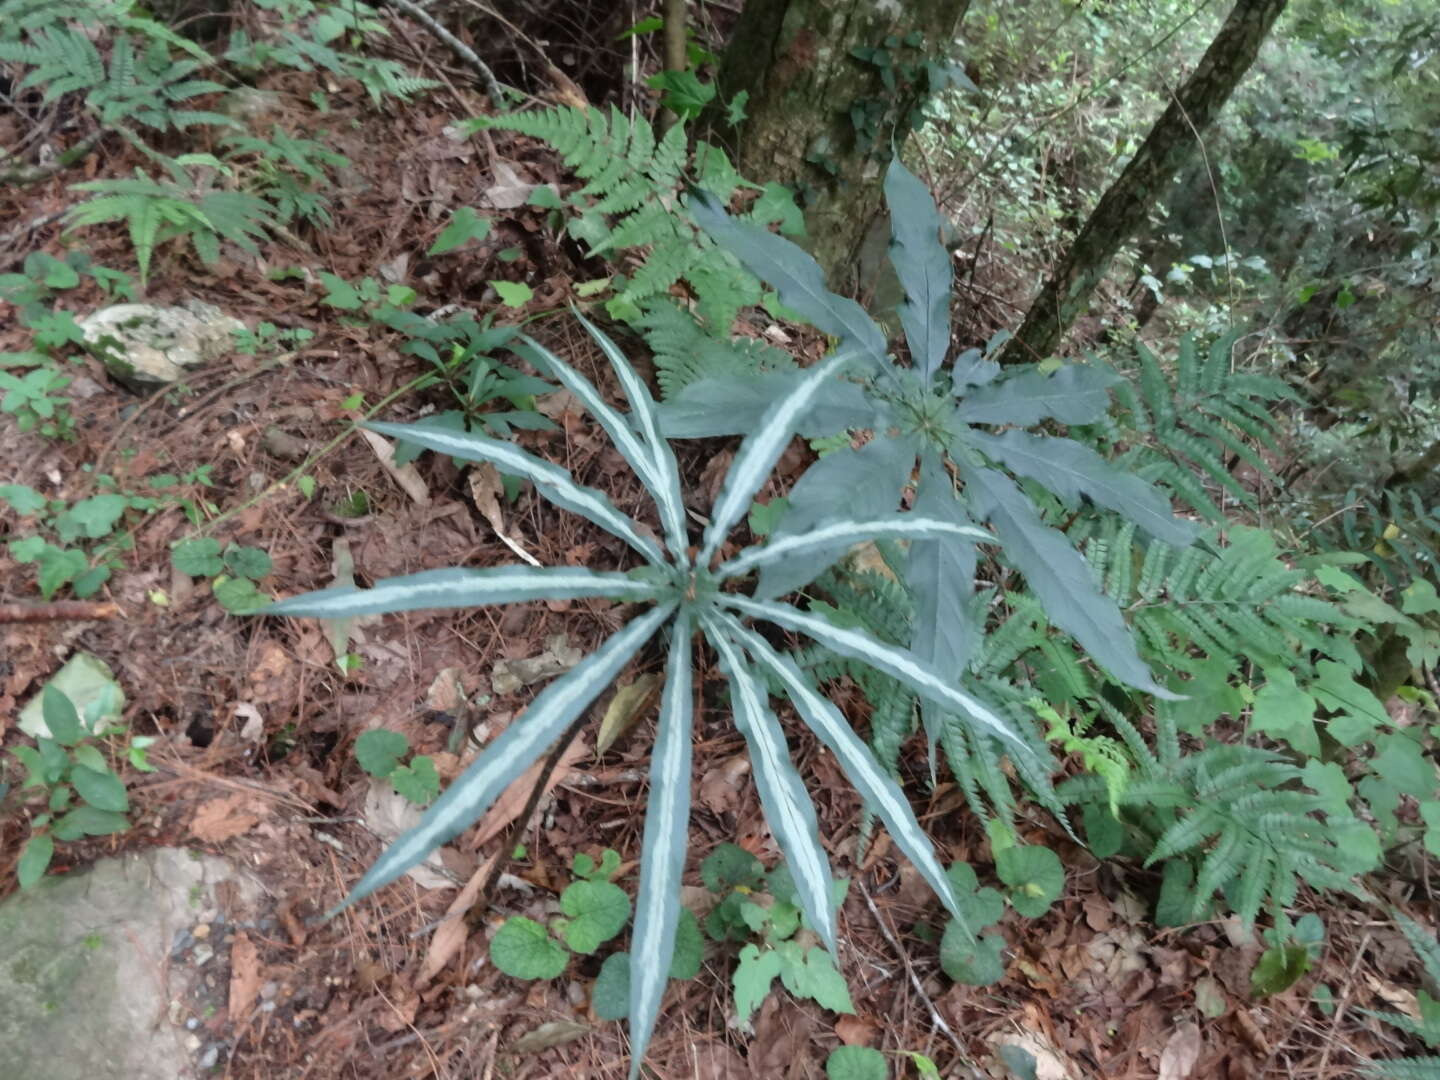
[
  {"x": 666, "y": 473},
  {"x": 464, "y": 588},
  {"x": 510, "y": 754},
  {"x": 662, "y": 853},
  {"x": 922, "y": 265},
  {"x": 898, "y": 663},
  {"x": 553, "y": 482},
  {"x": 795, "y": 275},
  {"x": 1070, "y": 469},
  {"x": 759, "y": 452},
  {"x": 1061, "y": 578},
  {"x": 641, "y": 456},
  {"x": 879, "y": 791},
  {"x": 787, "y": 807},
  {"x": 847, "y": 533}
]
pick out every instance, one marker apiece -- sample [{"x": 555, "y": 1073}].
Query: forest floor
[{"x": 257, "y": 724}]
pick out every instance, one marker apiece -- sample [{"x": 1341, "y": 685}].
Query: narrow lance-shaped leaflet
[
  {"x": 896, "y": 662},
  {"x": 880, "y": 792},
  {"x": 632, "y": 447},
  {"x": 846, "y": 533},
  {"x": 516, "y": 748},
  {"x": 662, "y": 852},
  {"x": 666, "y": 491},
  {"x": 761, "y": 449},
  {"x": 553, "y": 482},
  {"x": 787, "y": 807},
  {"x": 460, "y": 587}
]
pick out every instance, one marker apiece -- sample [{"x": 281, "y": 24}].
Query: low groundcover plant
[{"x": 686, "y": 597}]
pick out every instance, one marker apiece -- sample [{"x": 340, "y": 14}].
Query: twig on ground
[
  {"x": 29, "y": 174},
  {"x": 458, "y": 47},
  {"x": 935, "y": 1018},
  {"x": 25, "y": 230},
  {"x": 58, "y": 611},
  {"x": 475, "y": 916}
]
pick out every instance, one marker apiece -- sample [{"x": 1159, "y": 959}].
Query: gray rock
[
  {"x": 85, "y": 990},
  {"x": 149, "y": 346}
]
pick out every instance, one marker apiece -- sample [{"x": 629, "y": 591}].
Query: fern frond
[{"x": 685, "y": 353}]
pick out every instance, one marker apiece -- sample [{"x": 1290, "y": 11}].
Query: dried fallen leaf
[
  {"x": 719, "y": 790},
  {"x": 407, "y": 476},
  {"x": 513, "y": 799},
  {"x": 855, "y": 1030},
  {"x": 224, "y": 819},
  {"x": 388, "y": 814},
  {"x": 254, "y": 727},
  {"x": 486, "y": 488},
  {"x": 559, "y": 656},
  {"x": 451, "y": 932},
  {"x": 1181, "y": 1052},
  {"x": 1209, "y": 996},
  {"x": 244, "y": 976},
  {"x": 628, "y": 705},
  {"x": 547, "y": 1036}
]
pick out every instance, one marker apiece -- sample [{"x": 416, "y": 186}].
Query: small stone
[
  {"x": 202, "y": 931},
  {"x": 192, "y": 1023},
  {"x": 148, "y": 346},
  {"x": 210, "y": 1057},
  {"x": 193, "y": 1043},
  {"x": 269, "y": 990},
  {"x": 202, "y": 955}
]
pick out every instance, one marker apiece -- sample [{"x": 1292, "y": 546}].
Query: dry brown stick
[
  {"x": 458, "y": 47},
  {"x": 935, "y": 1017},
  {"x": 58, "y": 611},
  {"x": 476, "y": 914}
]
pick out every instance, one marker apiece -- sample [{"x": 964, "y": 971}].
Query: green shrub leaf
[
  {"x": 523, "y": 949},
  {"x": 597, "y": 911}
]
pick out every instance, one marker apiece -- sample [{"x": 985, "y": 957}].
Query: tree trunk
[
  {"x": 807, "y": 90},
  {"x": 1124, "y": 207}
]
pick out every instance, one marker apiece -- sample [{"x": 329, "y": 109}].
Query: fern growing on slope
[
  {"x": 630, "y": 200},
  {"x": 141, "y": 87},
  {"x": 684, "y": 353},
  {"x": 883, "y": 605},
  {"x": 1175, "y": 430},
  {"x": 1238, "y": 812},
  {"x": 159, "y": 210}
]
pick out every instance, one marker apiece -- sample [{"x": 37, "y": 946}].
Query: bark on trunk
[
  {"x": 1124, "y": 207},
  {"x": 794, "y": 58}
]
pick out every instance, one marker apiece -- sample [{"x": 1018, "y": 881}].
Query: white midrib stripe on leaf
[
  {"x": 808, "y": 868},
  {"x": 481, "y": 784},
  {"x": 666, "y": 489},
  {"x": 878, "y": 789},
  {"x": 849, "y": 532},
  {"x": 657, "y": 903},
  {"x": 512, "y": 459},
  {"x": 548, "y": 583},
  {"x": 901, "y": 663},
  {"x": 761, "y": 449},
  {"x": 616, "y": 426}
]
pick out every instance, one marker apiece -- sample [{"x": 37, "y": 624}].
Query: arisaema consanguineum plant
[
  {"x": 953, "y": 433},
  {"x": 685, "y": 596}
]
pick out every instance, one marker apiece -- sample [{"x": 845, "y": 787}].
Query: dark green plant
[
  {"x": 762, "y": 910},
  {"x": 627, "y": 202},
  {"x": 938, "y": 415},
  {"x": 687, "y": 596},
  {"x": 81, "y": 793}
]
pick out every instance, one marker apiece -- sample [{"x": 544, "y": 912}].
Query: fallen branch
[
  {"x": 458, "y": 47},
  {"x": 58, "y": 611}
]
